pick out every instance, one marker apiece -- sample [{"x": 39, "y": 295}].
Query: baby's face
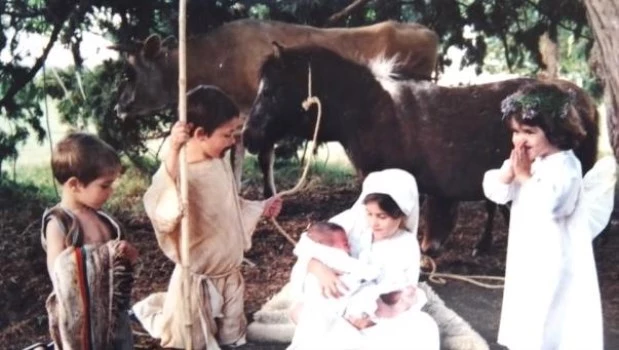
[{"x": 340, "y": 241}]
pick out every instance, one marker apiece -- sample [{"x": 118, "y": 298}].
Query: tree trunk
[
  {"x": 603, "y": 18},
  {"x": 549, "y": 50}
]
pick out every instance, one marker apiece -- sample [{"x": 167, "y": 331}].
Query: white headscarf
[{"x": 400, "y": 186}]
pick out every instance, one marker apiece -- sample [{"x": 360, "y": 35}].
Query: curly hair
[{"x": 548, "y": 107}]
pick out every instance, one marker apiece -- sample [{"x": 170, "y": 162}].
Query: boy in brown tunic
[{"x": 220, "y": 228}]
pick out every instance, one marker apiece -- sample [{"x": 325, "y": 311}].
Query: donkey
[
  {"x": 446, "y": 136},
  {"x": 230, "y": 57}
]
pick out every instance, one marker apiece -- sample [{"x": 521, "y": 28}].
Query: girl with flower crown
[{"x": 551, "y": 298}]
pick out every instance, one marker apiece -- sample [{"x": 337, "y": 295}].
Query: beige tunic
[{"x": 220, "y": 228}]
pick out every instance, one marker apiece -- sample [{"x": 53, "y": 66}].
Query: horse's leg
[
  {"x": 485, "y": 241},
  {"x": 505, "y": 212},
  {"x": 440, "y": 215},
  {"x": 266, "y": 157}
]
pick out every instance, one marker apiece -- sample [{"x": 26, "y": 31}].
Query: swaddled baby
[{"x": 369, "y": 290}]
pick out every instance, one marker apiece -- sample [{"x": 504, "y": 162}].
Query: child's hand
[
  {"x": 361, "y": 322},
  {"x": 272, "y": 207},
  {"x": 179, "y": 135},
  {"x": 329, "y": 281},
  {"x": 521, "y": 164},
  {"x": 127, "y": 250},
  {"x": 506, "y": 174}
]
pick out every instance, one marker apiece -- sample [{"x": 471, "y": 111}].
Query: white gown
[
  {"x": 551, "y": 298},
  {"x": 413, "y": 329}
]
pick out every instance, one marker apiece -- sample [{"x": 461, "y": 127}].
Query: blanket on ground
[{"x": 272, "y": 325}]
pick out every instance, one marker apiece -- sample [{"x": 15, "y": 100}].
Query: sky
[{"x": 94, "y": 48}]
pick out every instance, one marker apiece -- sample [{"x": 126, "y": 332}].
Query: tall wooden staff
[{"x": 182, "y": 116}]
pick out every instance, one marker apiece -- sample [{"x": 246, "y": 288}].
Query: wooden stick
[{"x": 182, "y": 116}]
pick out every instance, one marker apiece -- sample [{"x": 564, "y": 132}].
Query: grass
[
  {"x": 34, "y": 182},
  {"x": 30, "y": 182},
  {"x": 287, "y": 173}
]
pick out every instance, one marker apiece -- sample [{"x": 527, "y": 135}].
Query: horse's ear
[
  {"x": 277, "y": 49},
  {"x": 152, "y": 46},
  {"x": 169, "y": 42}
]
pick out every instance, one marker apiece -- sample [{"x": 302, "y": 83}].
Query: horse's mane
[{"x": 384, "y": 69}]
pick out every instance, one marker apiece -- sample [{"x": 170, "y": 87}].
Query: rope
[
  {"x": 439, "y": 278},
  {"x": 309, "y": 101}
]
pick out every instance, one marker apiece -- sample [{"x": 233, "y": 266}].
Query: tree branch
[
  {"x": 23, "y": 15},
  {"x": 19, "y": 84},
  {"x": 338, "y": 16}
]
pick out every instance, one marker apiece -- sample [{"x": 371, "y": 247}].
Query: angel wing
[{"x": 599, "y": 194}]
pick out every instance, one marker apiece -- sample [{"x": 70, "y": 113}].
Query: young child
[
  {"x": 90, "y": 267},
  {"x": 220, "y": 228},
  {"x": 551, "y": 298}
]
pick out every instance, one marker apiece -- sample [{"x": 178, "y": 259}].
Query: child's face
[
  {"x": 532, "y": 139},
  {"x": 222, "y": 138},
  {"x": 96, "y": 193},
  {"x": 383, "y": 226}
]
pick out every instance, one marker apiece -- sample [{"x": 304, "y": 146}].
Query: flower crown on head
[{"x": 548, "y": 102}]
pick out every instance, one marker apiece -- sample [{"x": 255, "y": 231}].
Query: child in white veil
[{"x": 397, "y": 249}]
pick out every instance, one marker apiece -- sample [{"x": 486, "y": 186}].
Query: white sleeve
[
  {"x": 162, "y": 202},
  {"x": 496, "y": 190}
]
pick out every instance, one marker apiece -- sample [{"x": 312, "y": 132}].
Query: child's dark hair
[
  {"x": 385, "y": 203},
  {"x": 84, "y": 156},
  {"x": 323, "y": 232},
  {"x": 548, "y": 107},
  {"x": 208, "y": 107}
]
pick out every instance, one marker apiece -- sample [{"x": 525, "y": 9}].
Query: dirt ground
[{"x": 24, "y": 283}]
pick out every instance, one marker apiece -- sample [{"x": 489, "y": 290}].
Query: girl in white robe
[
  {"x": 412, "y": 329},
  {"x": 551, "y": 298}
]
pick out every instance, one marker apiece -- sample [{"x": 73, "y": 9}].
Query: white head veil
[{"x": 400, "y": 186}]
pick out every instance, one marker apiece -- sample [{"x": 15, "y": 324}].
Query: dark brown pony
[{"x": 446, "y": 136}]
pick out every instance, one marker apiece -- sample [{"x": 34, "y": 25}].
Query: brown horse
[
  {"x": 231, "y": 55},
  {"x": 446, "y": 136}
]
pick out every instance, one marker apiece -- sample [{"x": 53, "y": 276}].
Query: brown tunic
[{"x": 220, "y": 228}]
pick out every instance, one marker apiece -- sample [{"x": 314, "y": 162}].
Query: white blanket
[{"x": 272, "y": 324}]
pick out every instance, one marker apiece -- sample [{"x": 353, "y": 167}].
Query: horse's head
[
  {"x": 277, "y": 110},
  {"x": 148, "y": 84}
]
